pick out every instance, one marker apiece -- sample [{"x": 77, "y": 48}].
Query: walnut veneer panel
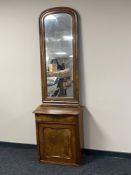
[{"x": 56, "y": 142}]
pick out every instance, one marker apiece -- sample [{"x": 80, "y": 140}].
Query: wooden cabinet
[
  {"x": 59, "y": 117},
  {"x": 59, "y": 135}
]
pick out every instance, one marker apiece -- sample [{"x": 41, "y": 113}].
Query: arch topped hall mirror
[
  {"x": 59, "y": 117},
  {"x": 59, "y": 62}
]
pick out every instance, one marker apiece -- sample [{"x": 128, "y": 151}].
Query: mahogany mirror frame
[{"x": 74, "y": 15}]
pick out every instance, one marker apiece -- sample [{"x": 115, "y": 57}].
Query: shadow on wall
[
  {"x": 94, "y": 137},
  {"x": 82, "y": 75}
]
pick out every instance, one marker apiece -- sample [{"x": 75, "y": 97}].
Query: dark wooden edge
[
  {"x": 74, "y": 15},
  {"x": 88, "y": 152},
  {"x": 38, "y": 140}
]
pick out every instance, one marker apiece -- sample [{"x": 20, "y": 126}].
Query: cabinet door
[{"x": 57, "y": 142}]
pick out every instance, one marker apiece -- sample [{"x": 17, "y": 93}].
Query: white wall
[{"x": 105, "y": 70}]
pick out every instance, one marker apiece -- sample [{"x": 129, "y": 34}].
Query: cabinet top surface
[{"x": 58, "y": 110}]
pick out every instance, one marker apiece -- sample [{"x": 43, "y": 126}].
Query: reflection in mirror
[{"x": 59, "y": 55}]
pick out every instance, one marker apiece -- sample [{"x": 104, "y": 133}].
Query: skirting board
[
  {"x": 107, "y": 153},
  {"x": 91, "y": 152},
  {"x": 18, "y": 145}
]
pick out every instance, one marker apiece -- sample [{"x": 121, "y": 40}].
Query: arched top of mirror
[{"x": 59, "y": 55}]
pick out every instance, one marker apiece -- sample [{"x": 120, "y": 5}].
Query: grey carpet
[{"x": 23, "y": 161}]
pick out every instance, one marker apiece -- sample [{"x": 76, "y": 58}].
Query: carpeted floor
[{"x": 23, "y": 161}]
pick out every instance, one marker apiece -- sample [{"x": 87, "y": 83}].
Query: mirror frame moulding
[{"x": 45, "y": 98}]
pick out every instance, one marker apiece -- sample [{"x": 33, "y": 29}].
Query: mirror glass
[{"x": 59, "y": 55}]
